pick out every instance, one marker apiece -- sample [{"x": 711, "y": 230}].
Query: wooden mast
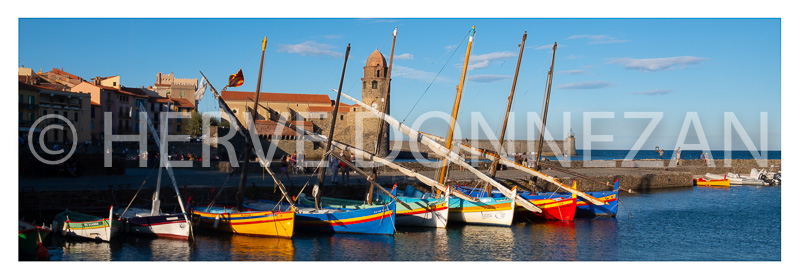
[
  {"x": 243, "y": 180},
  {"x": 385, "y": 110},
  {"x": 544, "y": 109},
  {"x": 456, "y": 104},
  {"x": 508, "y": 110},
  {"x": 318, "y": 193}
]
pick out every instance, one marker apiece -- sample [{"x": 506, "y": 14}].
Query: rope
[
  {"x": 630, "y": 215},
  {"x": 140, "y": 188},
  {"x": 437, "y": 75}
]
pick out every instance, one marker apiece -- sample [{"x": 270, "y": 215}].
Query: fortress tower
[{"x": 374, "y": 86}]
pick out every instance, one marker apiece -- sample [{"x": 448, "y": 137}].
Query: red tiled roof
[
  {"x": 58, "y": 71},
  {"x": 54, "y": 87},
  {"x": 23, "y": 85},
  {"x": 182, "y": 102},
  {"x": 276, "y": 97},
  {"x": 95, "y": 103},
  {"x": 115, "y": 89}
]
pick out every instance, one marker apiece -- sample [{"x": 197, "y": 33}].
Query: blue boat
[
  {"x": 335, "y": 217},
  {"x": 587, "y": 209}
]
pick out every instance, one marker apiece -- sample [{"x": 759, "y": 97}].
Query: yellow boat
[
  {"x": 704, "y": 182},
  {"x": 257, "y": 223}
]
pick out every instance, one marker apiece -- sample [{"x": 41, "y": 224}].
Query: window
[
  {"x": 44, "y": 112},
  {"x": 179, "y": 126},
  {"x": 92, "y": 112},
  {"x": 31, "y": 116},
  {"x": 108, "y": 96},
  {"x": 364, "y": 86},
  {"x": 20, "y": 117},
  {"x": 31, "y": 101},
  {"x": 108, "y": 108},
  {"x": 378, "y": 73},
  {"x": 20, "y": 98},
  {"x": 374, "y": 84},
  {"x": 115, "y": 84},
  {"x": 183, "y": 94},
  {"x": 152, "y": 106},
  {"x": 341, "y": 117},
  {"x": 92, "y": 125},
  {"x": 76, "y": 117}
]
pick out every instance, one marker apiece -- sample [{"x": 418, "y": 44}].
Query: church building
[{"x": 354, "y": 126}]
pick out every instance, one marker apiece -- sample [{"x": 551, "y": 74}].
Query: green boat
[
  {"x": 76, "y": 224},
  {"x": 30, "y": 241}
]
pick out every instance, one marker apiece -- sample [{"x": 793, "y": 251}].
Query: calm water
[{"x": 692, "y": 224}]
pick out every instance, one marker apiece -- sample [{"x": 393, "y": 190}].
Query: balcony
[{"x": 28, "y": 106}]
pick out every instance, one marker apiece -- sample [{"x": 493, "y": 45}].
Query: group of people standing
[{"x": 296, "y": 164}]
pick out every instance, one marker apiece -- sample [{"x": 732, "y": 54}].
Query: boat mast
[
  {"x": 245, "y": 163},
  {"x": 385, "y": 110},
  {"x": 508, "y": 110},
  {"x": 323, "y": 167},
  {"x": 544, "y": 109},
  {"x": 460, "y": 88}
]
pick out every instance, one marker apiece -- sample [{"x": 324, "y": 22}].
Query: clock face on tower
[{"x": 375, "y": 105}]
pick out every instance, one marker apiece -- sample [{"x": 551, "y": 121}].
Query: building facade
[{"x": 354, "y": 125}]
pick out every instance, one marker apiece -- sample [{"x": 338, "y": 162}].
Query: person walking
[
  {"x": 285, "y": 167},
  {"x": 345, "y": 171},
  {"x": 334, "y": 166}
]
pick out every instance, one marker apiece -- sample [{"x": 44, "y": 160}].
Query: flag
[
  {"x": 200, "y": 90},
  {"x": 236, "y": 80}
]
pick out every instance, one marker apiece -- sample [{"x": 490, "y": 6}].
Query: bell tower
[{"x": 373, "y": 87}]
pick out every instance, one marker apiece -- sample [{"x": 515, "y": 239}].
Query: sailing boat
[
  {"x": 80, "y": 225},
  {"x": 238, "y": 220},
  {"x": 337, "y": 215},
  {"x": 154, "y": 222},
  {"x": 418, "y": 210}
]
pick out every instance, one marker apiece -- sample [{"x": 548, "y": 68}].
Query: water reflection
[
  {"x": 597, "y": 239},
  {"x": 252, "y": 248},
  {"x": 480, "y": 243},
  {"x": 343, "y": 247},
  {"x": 422, "y": 244},
  {"x": 86, "y": 251}
]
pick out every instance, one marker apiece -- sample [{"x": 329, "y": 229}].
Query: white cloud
[
  {"x": 586, "y": 85},
  {"x": 483, "y": 60},
  {"x": 656, "y": 64},
  {"x": 330, "y": 37},
  {"x": 410, "y": 73},
  {"x": 546, "y": 46},
  {"x": 486, "y": 78},
  {"x": 478, "y": 65},
  {"x": 450, "y": 47},
  {"x": 572, "y": 72},
  {"x": 311, "y": 48},
  {"x": 654, "y": 92},
  {"x": 597, "y": 39},
  {"x": 405, "y": 56}
]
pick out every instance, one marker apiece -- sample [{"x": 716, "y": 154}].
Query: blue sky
[{"x": 674, "y": 66}]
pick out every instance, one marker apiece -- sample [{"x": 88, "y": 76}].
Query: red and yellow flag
[{"x": 236, "y": 80}]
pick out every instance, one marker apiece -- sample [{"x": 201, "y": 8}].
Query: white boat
[
  {"x": 153, "y": 222},
  {"x": 754, "y": 178}
]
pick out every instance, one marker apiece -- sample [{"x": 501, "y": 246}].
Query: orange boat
[{"x": 725, "y": 182}]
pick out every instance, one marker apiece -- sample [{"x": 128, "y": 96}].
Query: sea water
[{"x": 685, "y": 224}]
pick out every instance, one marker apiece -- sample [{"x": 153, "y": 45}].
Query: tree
[{"x": 195, "y": 125}]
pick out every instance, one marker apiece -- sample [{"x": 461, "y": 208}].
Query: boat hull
[
  {"x": 166, "y": 225},
  {"x": 553, "y": 208},
  {"x": 30, "y": 241},
  {"x": 255, "y": 223},
  {"x": 717, "y": 183},
  {"x": 79, "y": 225},
  {"x": 487, "y": 211},
  {"x": 423, "y": 213},
  {"x": 374, "y": 219}
]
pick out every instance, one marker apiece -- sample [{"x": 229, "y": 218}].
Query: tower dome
[{"x": 376, "y": 59}]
